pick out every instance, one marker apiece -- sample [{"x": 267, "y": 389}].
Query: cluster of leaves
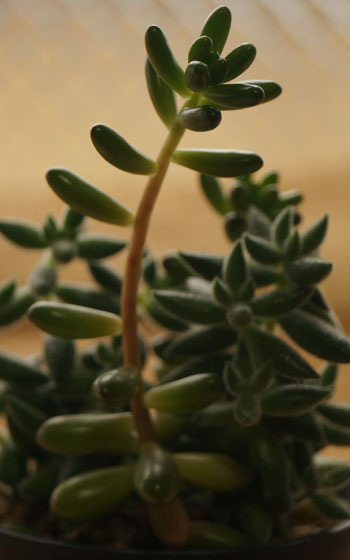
[{"x": 237, "y": 409}]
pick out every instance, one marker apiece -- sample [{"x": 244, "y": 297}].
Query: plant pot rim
[{"x": 121, "y": 553}]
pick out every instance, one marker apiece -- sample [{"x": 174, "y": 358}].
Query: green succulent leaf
[
  {"x": 287, "y": 400},
  {"x": 162, "y": 96},
  {"x": 156, "y": 477},
  {"x": 43, "y": 279},
  {"x": 271, "y": 89},
  {"x": 285, "y": 359},
  {"x": 247, "y": 410},
  {"x": 333, "y": 473},
  {"x": 7, "y": 290},
  {"x": 263, "y": 275},
  {"x": 339, "y": 413},
  {"x": 201, "y": 340},
  {"x": 190, "y": 307},
  {"x": 235, "y": 268},
  {"x": 118, "y": 152},
  {"x": 217, "y": 27},
  {"x": 163, "y": 61},
  {"x": 118, "y": 386},
  {"x": 214, "y": 193},
  {"x": 86, "y": 433},
  {"x": 24, "y": 234},
  {"x": 13, "y": 467},
  {"x": 72, "y": 221},
  {"x": 200, "y": 49},
  {"x": 336, "y": 435},
  {"x": 317, "y": 336},
  {"x": 258, "y": 224},
  {"x": 213, "y": 363},
  {"x": 330, "y": 505},
  {"x": 73, "y": 321},
  {"x": 279, "y": 301},
  {"x": 17, "y": 307},
  {"x": 185, "y": 395},
  {"x": 293, "y": 246},
  {"x": 309, "y": 270},
  {"x": 206, "y": 265},
  {"x": 60, "y": 356},
  {"x": 16, "y": 370},
  {"x": 204, "y": 535},
  {"x": 38, "y": 485},
  {"x": 106, "y": 277},
  {"x": 86, "y": 296},
  {"x": 262, "y": 251},
  {"x": 289, "y": 198},
  {"x": 220, "y": 163},
  {"x": 27, "y": 417},
  {"x": 217, "y": 69},
  {"x": 239, "y": 60},
  {"x": 213, "y": 471},
  {"x": 94, "y": 246},
  {"x": 314, "y": 235},
  {"x": 200, "y": 119},
  {"x": 221, "y": 293},
  {"x": 234, "y": 96},
  {"x": 197, "y": 76},
  {"x": 329, "y": 374},
  {"x": 87, "y": 199},
  {"x": 92, "y": 494},
  {"x": 282, "y": 225}
]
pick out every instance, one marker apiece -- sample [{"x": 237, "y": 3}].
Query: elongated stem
[{"x": 143, "y": 422}]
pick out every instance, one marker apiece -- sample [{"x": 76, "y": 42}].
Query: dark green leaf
[
  {"x": 239, "y": 315},
  {"x": 43, "y": 279},
  {"x": 261, "y": 378},
  {"x": 333, "y": 473},
  {"x": 214, "y": 471},
  {"x": 282, "y": 225},
  {"x": 247, "y": 410},
  {"x": 263, "y": 275},
  {"x": 314, "y": 235},
  {"x": 271, "y": 89},
  {"x": 235, "y": 268},
  {"x": 93, "y": 246},
  {"x": 201, "y": 340},
  {"x": 190, "y": 307},
  {"x": 24, "y": 234},
  {"x": 329, "y": 374},
  {"x": 258, "y": 223},
  {"x": 60, "y": 357},
  {"x": 7, "y": 290},
  {"x": 118, "y": 152},
  {"x": 167, "y": 320},
  {"x": 162, "y": 96},
  {"x": 284, "y": 358},
  {"x": 309, "y": 270},
  {"x": 262, "y": 250},
  {"x": 235, "y": 96},
  {"x": 73, "y": 321},
  {"x": 221, "y": 293},
  {"x": 221, "y": 163},
  {"x": 163, "y": 61},
  {"x": 118, "y": 386},
  {"x": 339, "y": 413},
  {"x": 87, "y": 199},
  {"x": 330, "y": 505},
  {"x": 255, "y": 520},
  {"x": 106, "y": 277},
  {"x": 289, "y": 198},
  {"x": 317, "y": 336},
  {"x": 303, "y": 427},
  {"x": 240, "y": 198},
  {"x": 287, "y": 400},
  {"x": 336, "y": 435},
  {"x": 217, "y": 69},
  {"x": 16, "y": 370},
  {"x": 239, "y": 60},
  {"x": 206, "y": 364},
  {"x": 197, "y": 76},
  {"x": 271, "y": 178},
  {"x": 72, "y": 221},
  {"x": 279, "y": 301},
  {"x": 217, "y": 27},
  {"x": 176, "y": 267},
  {"x": 200, "y": 119},
  {"x": 200, "y": 49},
  {"x": 235, "y": 225},
  {"x": 292, "y": 246},
  {"x": 206, "y": 265},
  {"x": 17, "y": 307},
  {"x": 87, "y": 296},
  {"x": 26, "y": 416},
  {"x": 214, "y": 193}
]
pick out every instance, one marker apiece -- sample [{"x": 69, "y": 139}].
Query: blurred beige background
[{"x": 67, "y": 64}]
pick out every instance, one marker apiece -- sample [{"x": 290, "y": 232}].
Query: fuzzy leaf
[
  {"x": 287, "y": 400},
  {"x": 163, "y": 61},
  {"x": 239, "y": 60},
  {"x": 314, "y": 235},
  {"x": 329, "y": 374},
  {"x": 201, "y": 340},
  {"x": 118, "y": 152},
  {"x": 289, "y": 198},
  {"x": 214, "y": 193},
  {"x": 163, "y": 318},
  {"x": 282, "y": 225},
  {"x": 279, "y": 301},
  {"x": 24, "y": 234},
  {"x": 285, "y": 359},
  {"x": 247, "y": 410},
  {"x": 162, "y": 96},
  {"x": 73, "y": 321},
  {"x": 87, "y": 296},
  {"x": 17, "y": 307},
  {"x": 213, "y": 363},
  {"x": 27, "y": 417},
  {"x": 235, "y": 384},
  {"x": 206, "y": 265},
  {"x": 292, "y": 246},
  {"x": 93, "y": 246},
  {"x": 235, "y": 96},
  {"x": 235, "y": 268},
  {"x": 60, "y": 356},
  {"x": 263, "y": 275},
  {"x": 43, "y": 279},
  {"x": 317, "y": 336},
  {"x": 258, "y": 223},
  {"x": 106, "y": 277},
  {"x": 221, "y": 293},
  {"x": 235, "y": 225},
  {"x": 309, "y": 270},
  {"x": 185, "y": 395},
  {"x": 176, "y": 267},
  {"x": 220, "y": 163},
  {"x": 190, "y": 307},
  {"x": 262, "y": 250},
  {"x": 217, "y": 27}
]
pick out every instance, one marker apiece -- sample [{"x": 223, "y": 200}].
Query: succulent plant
[{"x": 222, "y": 451}]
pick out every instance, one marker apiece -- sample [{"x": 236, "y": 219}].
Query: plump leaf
[
  {"x": 314, "y": 235},
  {"x": 200, "y": 119},
  {"x": 279, "y": 301},
  {"x": 156, "y": 476},
  {"x": 200, "y": 49},
  {"x": 282, "y": 225},
  {"x": 213, "y": 363},
  {"x": 17, "y": 307},
  {"x": 7, "y": 290},
  {"x": 287, "y": 400},
  {"x": 87, "y": 199},
  {"x": 317, "y": 336},
  {"x": 201, "y": 340},
  {"x": 239, "y": 60},
  {"x": 262, "y": 250},
  {"x": 289, "y": 198},
  {"x": 92, "y": 494},
  {"x": 309, "y": 270},
  {"x": 197, "y": 76},
  {"x": 106, "y": 277},
  {"x": 162, "y": 96},
  {"x": 176, "y": 267},
  {"x": 163, "y": 60},
  {"x": 221, "y": 293},
  {"x": 214, "y": 193},
  {"x": 330, "y": 505},
  {"x": 24, "y": 234},
  {"x": 82, "y": 434},
  {"x": 220, "y": 163},
  {"x": 118, "y": 386},
  {"x": 16, "y": 370},
  {"x": 217, "y": 69},
  {"x": 213, "y": 471},
  {"x": 339, "y": 413},
  {"x": 185, "y": 395},
  {"x": 73, "y": 321},
  {"x": 60, "y": 356},
  {"x": 217, "y": 27},
  {"x": 204, "y": 536},
  {"x": 285, "y": 359},
  {"x": 271, "y": 89},
  {"x": 118, "y": 152},
  {"x": 87, "y": 296},
  {"x": 163, "y": 318},
  {"x": 206, "y": 265},
  {"x": 235, "y": 268},
  {"x": 235, "y": 96},
  {"x": 190, "y": 307},
  {"x": 93, "y": 246}
]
